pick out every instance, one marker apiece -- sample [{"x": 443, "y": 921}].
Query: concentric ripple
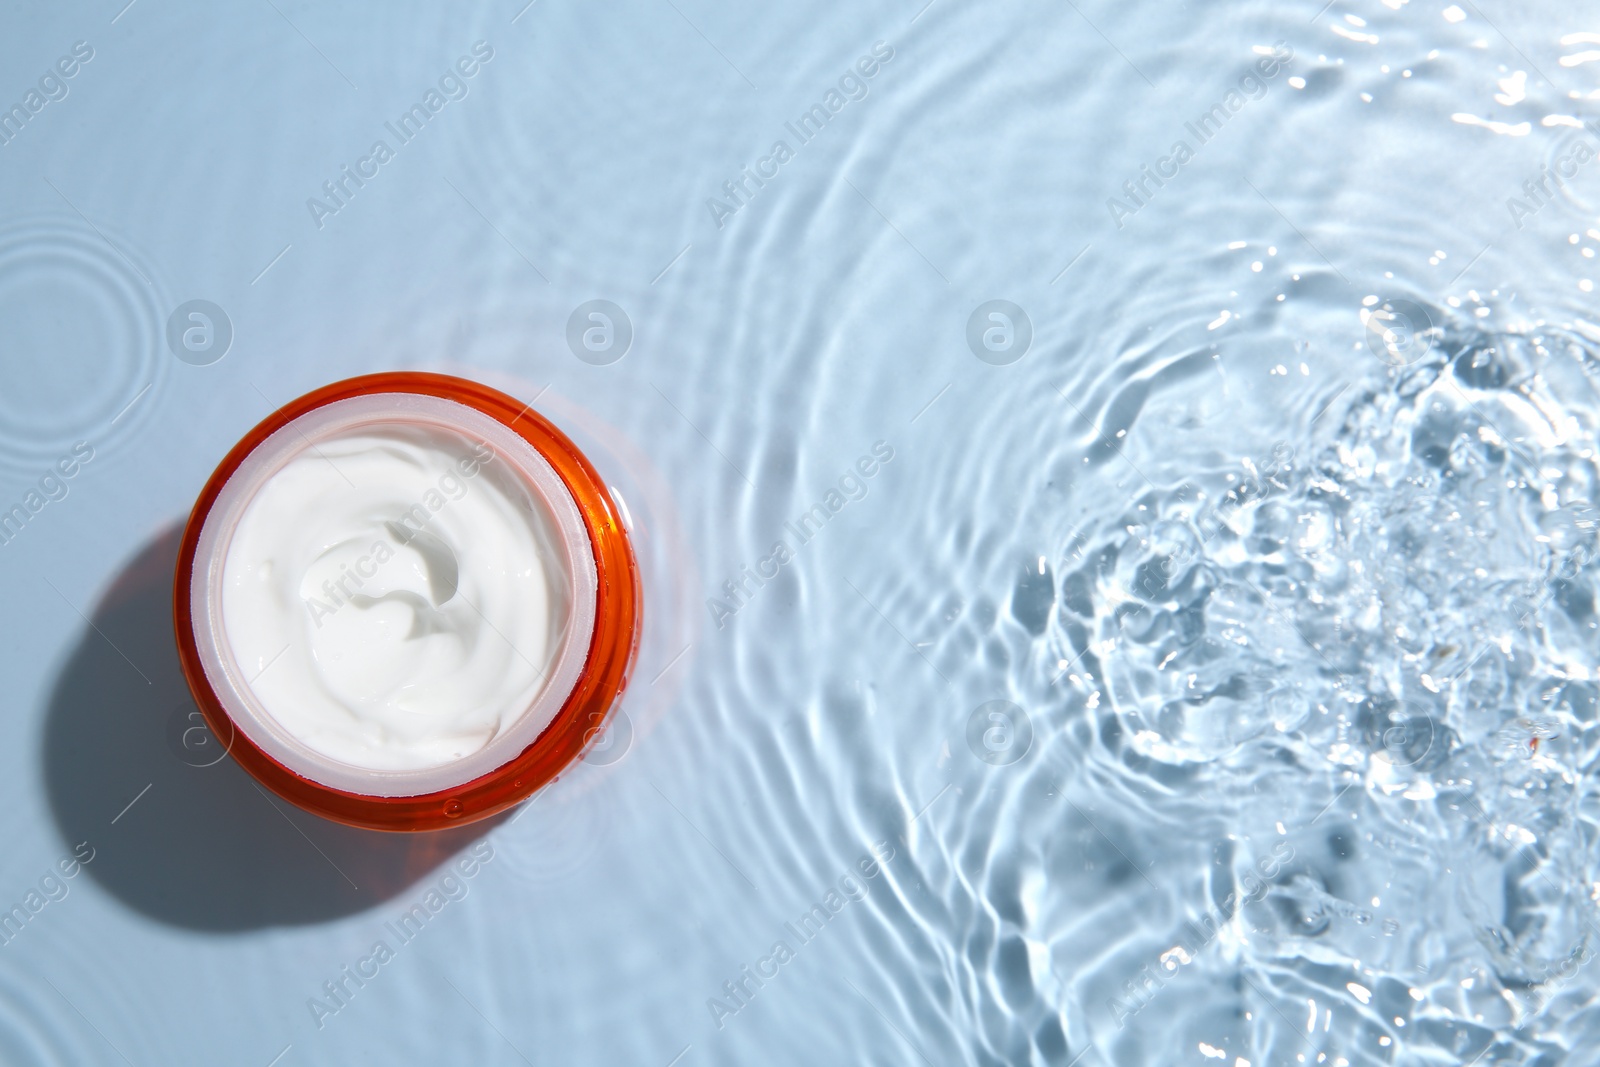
[
  {"x": 83, "y": 324},
  {"x": 40, "y": 1029}
]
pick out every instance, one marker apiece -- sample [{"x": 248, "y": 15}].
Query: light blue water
[{"x": 1204, "y": 672}]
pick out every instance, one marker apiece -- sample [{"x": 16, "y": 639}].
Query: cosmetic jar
[{"x": 406, "y": 601}]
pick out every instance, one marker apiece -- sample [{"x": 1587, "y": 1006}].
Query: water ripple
[{"x": 85, "y": 318}]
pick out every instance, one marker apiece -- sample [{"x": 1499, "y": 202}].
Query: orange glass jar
[{"x": 586, "y": 677}]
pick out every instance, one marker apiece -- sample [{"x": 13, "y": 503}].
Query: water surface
[{"x": 1192, "y": 664}]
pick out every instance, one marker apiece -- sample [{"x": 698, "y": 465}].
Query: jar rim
[{"x": 585, "y": 682}]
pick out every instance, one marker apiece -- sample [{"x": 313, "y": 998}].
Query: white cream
[{"x": 395, "y": 595}]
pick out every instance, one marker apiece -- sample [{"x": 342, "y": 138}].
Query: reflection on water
[{"x": 1124, "y": 472}]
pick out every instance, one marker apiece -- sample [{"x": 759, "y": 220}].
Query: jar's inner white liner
[{"x": 229, "y": 681}]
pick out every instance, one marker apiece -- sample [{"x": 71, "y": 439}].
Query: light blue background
[{"x": 767, "y": 757}]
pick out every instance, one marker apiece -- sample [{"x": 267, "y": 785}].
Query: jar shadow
[{"x": 180, "y": 832}]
